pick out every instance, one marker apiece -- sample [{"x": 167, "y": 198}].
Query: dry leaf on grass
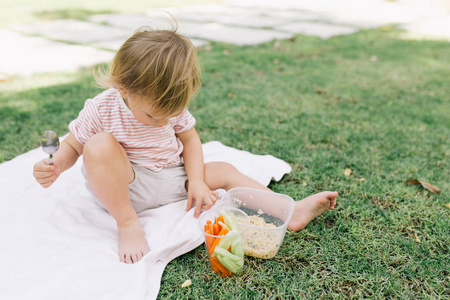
[
  {"x": 347, "y": 172},
  {"x": 318, "y": 89},
  {"x": 425, "y": 185},
  {"x": 447, "y": 205},
  {"x": 186, "y": 283},
  {"x": 417, "y": 238},
  {"x": 307, "y": 233}
]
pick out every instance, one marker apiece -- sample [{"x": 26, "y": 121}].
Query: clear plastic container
[
  {"x": 225, "y": 252},
  {"x": 269, "y": 215}
]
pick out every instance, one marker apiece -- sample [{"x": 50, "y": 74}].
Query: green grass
[{"x": 322, "y": 106}]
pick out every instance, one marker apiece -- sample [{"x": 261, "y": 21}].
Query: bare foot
[
  {"x": 311, "y": 207},
  {"x": 132, "y": 243}
]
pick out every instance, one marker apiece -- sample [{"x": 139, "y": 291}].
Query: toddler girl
[{"x": 139, "y": 145}]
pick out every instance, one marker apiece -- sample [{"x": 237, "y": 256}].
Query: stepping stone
[
  {"x": 208, "y": 31},
  {"x": 230, "y": 34},
  {"x": 321, "y": 30},
  {"x": 354, "y": 11},
  {"x": 436, "y": 27},
  {"x": 358, "y": 22},
  {"x": 24, "y": 55},
  {"x": 249, "y": 21},
  {"x": 73, "y": 31},
  {"x": 240, "y": 16},
  {"x": 132, "y": 22},
  {"x": 211, "y": 9},
  {"x": 114, "y": 45},
  {"x": 295, "y": 15},
  {"x": 279, "y": 4}
]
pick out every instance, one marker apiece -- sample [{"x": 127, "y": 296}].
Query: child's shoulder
[
  {"x": 109, "y": 97},
  {"x": 110, "y": 94}
]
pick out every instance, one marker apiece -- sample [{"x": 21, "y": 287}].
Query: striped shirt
[{"x": 147, "y": 146}]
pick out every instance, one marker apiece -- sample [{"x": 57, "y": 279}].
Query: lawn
[{"x": 370, "y": 102}]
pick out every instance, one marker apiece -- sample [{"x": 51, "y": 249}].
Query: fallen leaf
[
  {"x": 447, "y": 205},
  {"x": 230, "y": 95},
  {"x": 417, "y": 238},
  {"x": 362, "y": 179},
  {"x": 319, "y": 90},
  {"x": 305, "y": 183},
  {"x": 347, "y": 171},
  {"x": 425, "y": 185},
  {"x": 186, "y": 283},
  {"x": 277, "y": 45},
  {"x": 307, "y": 233}
]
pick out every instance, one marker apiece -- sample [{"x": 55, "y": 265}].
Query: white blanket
[{"x": 56, "y": 243}]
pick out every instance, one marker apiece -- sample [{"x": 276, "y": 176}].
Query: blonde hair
[{"x": 158, "y": 66}]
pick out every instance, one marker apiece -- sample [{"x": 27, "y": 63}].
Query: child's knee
[
  {"x": 99, "y": 145},
  {"x": 223, "y": 168}
]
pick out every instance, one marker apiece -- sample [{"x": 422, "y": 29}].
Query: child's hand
[
  {"x": 44, "y": 173},
  {"x": 203, "y": 196}
]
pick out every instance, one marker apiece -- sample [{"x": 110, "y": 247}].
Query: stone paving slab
[
  {"x": 437, "y": 27},
  {"x": 245, "y": 21},
  {"x": 296, "y": 15},
  {"x": 240, "y": 22},
  {"x": 132, "y": 22},
  {"x": 115, "y": 44},
  {"x": 230, "y": 34},
  {"x": 24, "y": 55},
  {"x": 321, "y": 30},
  {"x": 359, "y": 13},
  {"x": 212, "y": 11},
  {"x": 239, "y": 16},
  {"x": 376, "y": 9},
  {"x": 73, "y": 31},
  {"x": 209, "y": 31}
]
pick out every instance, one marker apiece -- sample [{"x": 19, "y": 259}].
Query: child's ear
[{"x": 122, "y": 92}]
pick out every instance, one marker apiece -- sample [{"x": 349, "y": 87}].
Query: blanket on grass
[{"x": 56, "y": 243}]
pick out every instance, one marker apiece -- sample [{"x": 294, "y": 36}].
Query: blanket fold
[{"x": 56, "y": 243}]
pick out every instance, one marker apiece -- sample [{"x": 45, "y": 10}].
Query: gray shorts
[{"x": 152, "y": 189}]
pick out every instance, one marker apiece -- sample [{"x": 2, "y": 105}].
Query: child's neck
[{"x": 126, "y": 101}]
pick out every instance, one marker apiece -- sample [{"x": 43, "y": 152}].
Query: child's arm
[
  {"x": 66, "y": 156},
  {"x": 193, "y": 162}
]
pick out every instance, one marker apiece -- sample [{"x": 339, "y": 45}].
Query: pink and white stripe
[{"x": 147, "y": 146}]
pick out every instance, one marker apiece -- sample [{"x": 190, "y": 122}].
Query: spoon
[{"x": 50, "y": 144}]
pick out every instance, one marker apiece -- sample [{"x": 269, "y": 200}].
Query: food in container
[
  {"x": 223, "y": 231},
  {"x": 269, "y": 214}
]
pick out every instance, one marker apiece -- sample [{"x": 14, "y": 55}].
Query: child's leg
[
  {"x": 220, "y": 175},
  {"x": 108, "y": 172}
]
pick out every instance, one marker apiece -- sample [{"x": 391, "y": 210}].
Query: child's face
[{"x": 145, "y": 113}]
